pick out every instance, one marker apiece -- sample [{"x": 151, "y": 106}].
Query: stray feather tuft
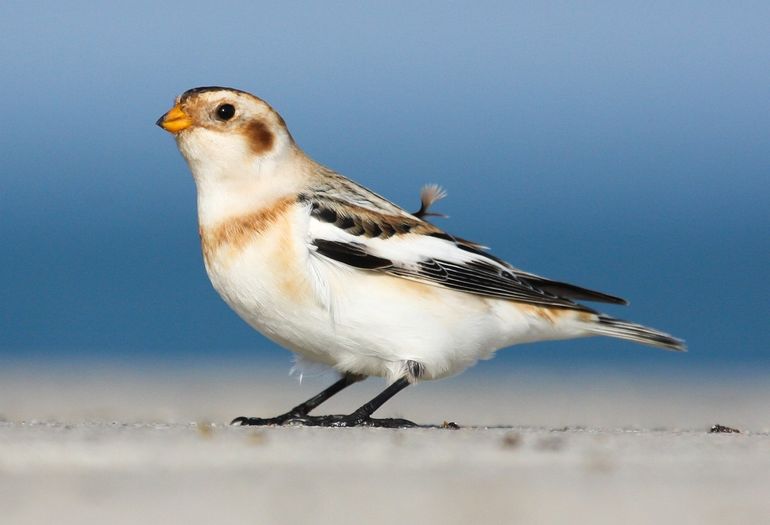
[{"x": 429, "y": 194}]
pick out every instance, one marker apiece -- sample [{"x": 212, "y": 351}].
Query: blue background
[{"x": 617, "y": 146}]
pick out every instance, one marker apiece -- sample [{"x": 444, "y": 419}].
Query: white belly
[{"x": 361, "y": 321}]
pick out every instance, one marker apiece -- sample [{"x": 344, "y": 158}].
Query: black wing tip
[
  {"x": 577, "y": 293},
  {"x": 614, "y": 299},
  {"x": 601, "y": 297}
]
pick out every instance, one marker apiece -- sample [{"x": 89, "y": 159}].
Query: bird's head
[{"x": 226, "y": 133}]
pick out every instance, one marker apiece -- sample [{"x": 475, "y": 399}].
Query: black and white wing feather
[{"x": 384, "y": 238}]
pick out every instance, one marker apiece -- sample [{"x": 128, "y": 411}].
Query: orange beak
[{"x": 175, "y": 120}]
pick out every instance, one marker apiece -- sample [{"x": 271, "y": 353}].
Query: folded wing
[{"x": 399, "y": 244}]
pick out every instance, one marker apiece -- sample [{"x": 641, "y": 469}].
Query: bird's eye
[{"x": 225, "y": 112}]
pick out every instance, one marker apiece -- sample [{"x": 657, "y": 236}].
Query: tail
[{"x": 611, "y": 327}]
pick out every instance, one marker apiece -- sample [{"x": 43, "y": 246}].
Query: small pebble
[
  {"x": 257, "y": 438},
  {"x": 721, "y": 429},
  {"x": 512, "y": 440},
  {"x": 205, "y": 429}
]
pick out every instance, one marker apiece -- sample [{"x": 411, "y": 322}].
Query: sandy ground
[{"x": 86, "y": 445}]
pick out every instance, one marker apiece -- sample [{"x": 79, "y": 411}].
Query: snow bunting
[{"x": 343, "y": 277}]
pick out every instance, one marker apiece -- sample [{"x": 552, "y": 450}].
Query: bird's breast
[
  {"x": 256, "y": 261},
  {"x": 225, "y": 241}
]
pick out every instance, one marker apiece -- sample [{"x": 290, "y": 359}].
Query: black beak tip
[{"x": 159, "y": 122}]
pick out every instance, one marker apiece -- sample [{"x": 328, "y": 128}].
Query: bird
[{"x": 342, "y": 277}]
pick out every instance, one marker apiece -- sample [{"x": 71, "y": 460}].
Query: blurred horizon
[{"x": 615, "y": 146}]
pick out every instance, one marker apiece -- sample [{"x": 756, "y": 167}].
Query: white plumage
[{"x": 343, "y": 277}]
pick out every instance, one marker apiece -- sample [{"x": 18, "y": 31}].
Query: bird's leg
[
  {"x": 300, "y": 411},
  {"x": 362, "y": 416}
]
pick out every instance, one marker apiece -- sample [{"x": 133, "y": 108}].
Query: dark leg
[
  {"x": 362, "y": 416},
  {"x": 302, "y": 410}
]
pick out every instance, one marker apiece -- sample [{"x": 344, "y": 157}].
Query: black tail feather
[{"x": 612, "y": 327}]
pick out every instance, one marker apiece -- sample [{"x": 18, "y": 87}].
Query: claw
[{"x": 258, "y": 421}]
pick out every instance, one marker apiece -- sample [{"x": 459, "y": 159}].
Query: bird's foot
[
  {"x": 354, "y": 420},
  {"x": 338, "y": 421}
]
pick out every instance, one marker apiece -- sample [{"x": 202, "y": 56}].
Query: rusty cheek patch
[
  {"x": 259, "y": 136},
  {"x": 235, "y": 233}
]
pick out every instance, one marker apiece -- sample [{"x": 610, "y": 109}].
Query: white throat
[{"x": 232, "y": 181}]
